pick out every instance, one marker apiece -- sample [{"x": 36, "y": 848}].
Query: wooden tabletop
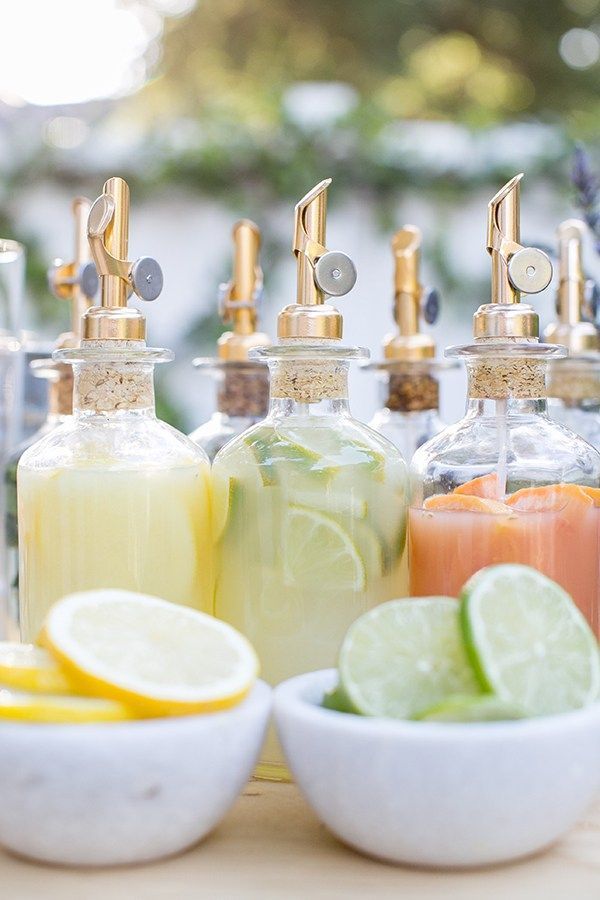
[{"x": 272, "y": 846}]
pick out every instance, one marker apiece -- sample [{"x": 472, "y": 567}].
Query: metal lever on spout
[
  {"x": 108, "y": 224},
  {"x": 321, "y": 272},
  {"x": 515, "y": 269}
]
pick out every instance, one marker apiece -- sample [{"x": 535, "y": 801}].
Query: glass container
[
  {"x": 506, "y": 483},
  {"x": 309, "y": 505},
  {"x": 114, "y": 498},
  {"x": 242, "y": 383}
]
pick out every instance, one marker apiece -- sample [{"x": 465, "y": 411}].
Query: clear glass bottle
[
  {"x": 243, "y": 383},
  {"x": 309, "y": 505},
  {"x": 76, "y": 282},
  {"x": 409, "y": 373},
  {"x": 574, "y": 383},
  {"x": 115, "y": 497},
  {"x": 506, "y": 483}
]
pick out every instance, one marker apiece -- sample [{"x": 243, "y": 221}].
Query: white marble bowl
[
  {"x": 125, "y": 792},
  {"x": 437, "y": 794}
]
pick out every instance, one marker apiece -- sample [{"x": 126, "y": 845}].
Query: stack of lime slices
[{"x": 514, "y": 645}]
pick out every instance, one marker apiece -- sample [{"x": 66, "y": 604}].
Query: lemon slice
[
  {"x": 29, "y": 707},
  {"x": 162, "y": 658},
  {"x": 318, "y": 552},
  {"x": 29, "y": 668}
]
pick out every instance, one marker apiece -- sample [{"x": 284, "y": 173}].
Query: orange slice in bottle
[
  {"x": 592, "y": 493},
  {"x": 483, "y": 486},
  {"x": 551, "y": 498},
  {"x": 465, "y": 503}
]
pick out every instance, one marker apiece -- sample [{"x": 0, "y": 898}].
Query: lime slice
[
  {"x": 271, "y": 450},
  {"x": 334, "y": 502},
  {"x": 528, "y": 642},
  {"x": 405, "y": 656},
  {"x": 319, "y": 554},
  {"x": 221, "y": 502},
  {"x": 338, "y": 700},
  {"x": 485, "y": 708},
  {"x": 336, "y": 449}
]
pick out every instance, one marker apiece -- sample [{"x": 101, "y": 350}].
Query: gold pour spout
[
  {"x": 76, "y": 281},
  {"x": 108, "y": 235},
  {"x": 241, "y": 295},
  {"x": 516, "y": 270},
  {"x": 409, "y": 343},
  {"x": 322, "y": 273},
  {"x": 571, "y": 330}
]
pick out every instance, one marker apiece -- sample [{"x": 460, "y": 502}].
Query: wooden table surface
[{"x": 271, "y": 845}]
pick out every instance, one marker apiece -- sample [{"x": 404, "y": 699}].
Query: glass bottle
[
  {"x": 243, "y": 383},
  {"x": 309, "y": 505},
  {"x": 574, "y": 383},
  {"x": 76, "y": 282},
  {"x": 506, "y": 483},
  {"x": 114, "y": 498},
  {"x": 409, "y": 373}
]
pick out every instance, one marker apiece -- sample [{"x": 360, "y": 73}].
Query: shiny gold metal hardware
[
  {"x": 108, "y": 235},
  {"x": 239, "y": 297},
  {"x": 515, "y": 270},
  {"x": 322, "y": 273},
  {"x": 571, "y": 330},
  {"x": 409, "y": 343},
  {"x": 76, "y": 281}
]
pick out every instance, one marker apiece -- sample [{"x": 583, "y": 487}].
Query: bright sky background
[{"x": 72, "y": 51}]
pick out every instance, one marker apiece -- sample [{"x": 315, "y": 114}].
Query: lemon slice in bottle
[
  {"x": 159, "y": 657},
  {"x": 25, "y": 667},
  {"x": 318, "y": 552},
  {"x": 55, "y": 708}
]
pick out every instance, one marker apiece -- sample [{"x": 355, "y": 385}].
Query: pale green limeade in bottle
[{"x": 309, "y": 506}]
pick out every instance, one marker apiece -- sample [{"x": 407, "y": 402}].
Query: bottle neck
[
  {"x": 308, "y": 387},
  {"x": 243, "y": 393},
  {"x": 507, "y": 386},
  {"x": 113, "y": 389},
  {"x": 403, "y": 392}
]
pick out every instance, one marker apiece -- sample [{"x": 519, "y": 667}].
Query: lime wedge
[
  {"x": 271, "y": 450},
  {"x": 338, "y": 700},
  {"x": 222, "y": 490},
  {"x": 334, "y": 502},
  {"x": 405, "y": 656},
  {"x": 528, "y": 642},
  {"x": 319, "y": 554},
  {"x": 485, "y": 708}
]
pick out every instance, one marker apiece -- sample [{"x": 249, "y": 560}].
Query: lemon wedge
[
  {"x": 48, "y": 708},
  {"x": 159, "y": 657},
  {"x": 28, "y": 668}
]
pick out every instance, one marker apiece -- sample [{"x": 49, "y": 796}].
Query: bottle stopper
[
  {"x": 573, "y": 295},
  {"x": 322, "y": 273},
  {"x": 76, "y": 281},
  {"x": 516, "y": 270},
  {"x": 239, "y": 297},
  {"x": 411, "y": 301},
  {"x": 108, "y": 235}
]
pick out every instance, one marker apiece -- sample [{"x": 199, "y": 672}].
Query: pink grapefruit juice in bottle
[{"x": 506, "y": 483}]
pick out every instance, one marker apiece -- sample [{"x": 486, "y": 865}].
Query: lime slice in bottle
[
  {"x": 222, "y": 491},
  {"x": 319, "y": 554},
  {"x": 459, "y": 708},
  {"x": 528, "y": 642},
  {"x": 334, "y": 502},
  {"x": 405, "y": 656},
  {"x": 274, "y": 451}
]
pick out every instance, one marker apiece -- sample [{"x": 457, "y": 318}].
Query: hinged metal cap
[
  {"x": 411, "y": 301},
  {"x": 76, "y": 281},
  {"x": 515, "y": 270},
  {"x": 239, "y": 297},
  {"x": 571, "y": 330},
  {"x": 322, "y": 273},
  {"x": 108, "y": 235}
]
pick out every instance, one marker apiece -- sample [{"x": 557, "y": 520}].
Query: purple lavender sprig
[{"x": 587, "y": 187}]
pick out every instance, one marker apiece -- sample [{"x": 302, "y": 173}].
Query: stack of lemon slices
[{"x": 112, "y": 655}]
